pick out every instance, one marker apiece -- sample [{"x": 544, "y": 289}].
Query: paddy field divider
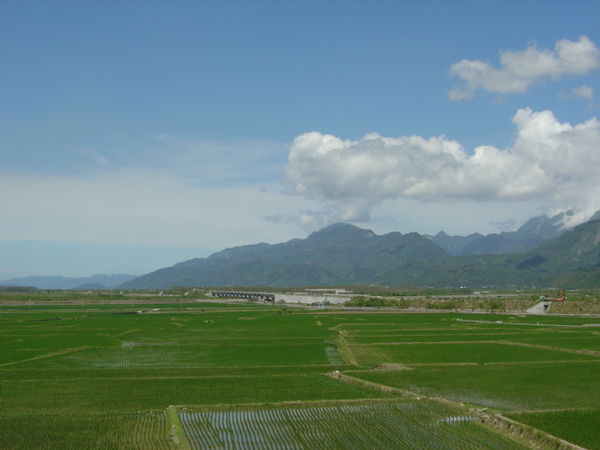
[{"x": 178, "y": 436}]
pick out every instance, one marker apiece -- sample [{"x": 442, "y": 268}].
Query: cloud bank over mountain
[
  {"x": 552, "y": 162},
  {"x": 520, "y": 68}
]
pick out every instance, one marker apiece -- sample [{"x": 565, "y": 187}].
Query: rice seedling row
[
  {"x": 414, "y": 424},
  {"x": 145, "y": 430}
]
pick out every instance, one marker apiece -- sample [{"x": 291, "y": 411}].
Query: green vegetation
[
  {"x": 342, "y": 254},
  {"x": 480, "y": 353},
  {"x": 103, "y": 375},
  {"x": 502, "y": 386},
  {"x": 577, "y": 426},
  {"x": 407, "y": 291},
  {"x": 146, "y": 430},
  {"x": 377, "y": 302},
  {"x": 407, "y": 424},
  {"x": 507, "y": 363},
  {"x": 32, "y": 296},
  {"x": 75, "y": 395}
]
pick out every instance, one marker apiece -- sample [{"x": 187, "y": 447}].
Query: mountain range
[
  {"x": 534, "y": 232},
  {"x": 540, "y": 253},
  {"x": 58, "y": 282},
  {"x": 346, "y": 254}
]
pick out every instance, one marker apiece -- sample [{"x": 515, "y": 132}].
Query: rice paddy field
[{"x": 234, "y": 375}]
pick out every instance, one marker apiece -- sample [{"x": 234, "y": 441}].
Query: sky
[{"x": 138, "y": 134}]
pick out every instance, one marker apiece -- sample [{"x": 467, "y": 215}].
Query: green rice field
[
  {"x": 407, "y": 424},
  {"x": 577, "y": 425},
  {"x": 235, "y": 375}
]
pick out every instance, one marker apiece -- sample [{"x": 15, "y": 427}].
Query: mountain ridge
[
  {"x": 534, "y": 232},
  {"x": 98, "y": 281},
  {"x": 346, "y": 254}
]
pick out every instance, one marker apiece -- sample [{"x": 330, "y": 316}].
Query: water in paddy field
[{"x": 408, "y": 424}]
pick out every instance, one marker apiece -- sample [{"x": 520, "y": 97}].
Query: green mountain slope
[
  {"x": 573, "y": 259},
  {"x": 337, "y": 253},
  {"x": 345, "y": 254},
  {"x": 532, "y": 234}
]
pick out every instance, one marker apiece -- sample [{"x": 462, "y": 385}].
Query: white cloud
[
  {"x": 584, "y": 91},
  {"x": 550, "y": 162},
  {"x": 307, "y": 220},
  {"x": 520, "y": 68}
]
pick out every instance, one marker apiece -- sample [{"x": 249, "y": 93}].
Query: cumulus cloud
[
  {"x": 551, "y": 162},
  {"x": 520, "y": 68}
]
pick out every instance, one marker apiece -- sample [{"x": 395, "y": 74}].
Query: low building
[
  {"x": 306, "y": 299},
  {"x": 335, "y": 291}
]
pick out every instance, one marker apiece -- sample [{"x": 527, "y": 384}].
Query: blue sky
[{"x": 157, "y": 131}]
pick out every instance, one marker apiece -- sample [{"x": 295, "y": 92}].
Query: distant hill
[
  {"x": 91, "y": 287},
  {"x": 572, "y": 261},
  {"x": 337, "y": 252},
  {"x": 573, "y": 256},
  {"x": 345, "y": 254},
  {"x": 533, "y": 233},
  {"x": 58, "y": 282},
  {"x": 455, "y": 245}
]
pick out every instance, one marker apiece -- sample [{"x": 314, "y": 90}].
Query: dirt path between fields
[
  {"x": 48, "y": 355},
  {"x": 344, "y": 349},
  {"x": 551, "y": 347},
  {"x": 176, "y": 430}
]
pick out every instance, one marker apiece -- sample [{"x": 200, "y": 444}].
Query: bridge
[{"x": 265, "y": 296}]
